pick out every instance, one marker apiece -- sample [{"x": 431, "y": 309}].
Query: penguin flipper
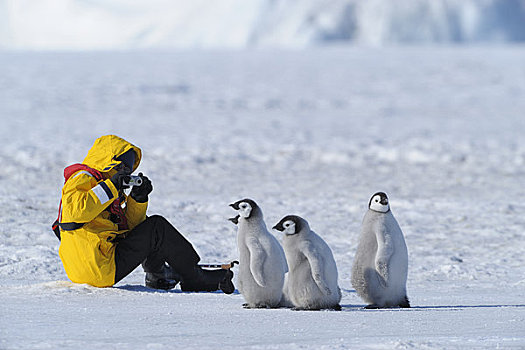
[
  {"x": 385, "y": 250},
  {"x": 257, "y": 258},
  {"x": 316, "y": 263},
  {"x": 382, "y": 273},
  {"x": 283, "y": 258}
]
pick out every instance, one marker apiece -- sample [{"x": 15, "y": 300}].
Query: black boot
[
  {"x": 208, "y": 281},
  {"x": 165, "y": 279},
  {"x": 226, "y": 285}
]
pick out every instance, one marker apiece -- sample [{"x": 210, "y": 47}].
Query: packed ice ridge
[{"x": 76, "y": 24}]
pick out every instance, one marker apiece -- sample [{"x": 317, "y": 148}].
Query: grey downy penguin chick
[
  {"x": 380, "y": 267},
  {"x": 311, "y": 283},
  {"x": 262, "y": 263}
]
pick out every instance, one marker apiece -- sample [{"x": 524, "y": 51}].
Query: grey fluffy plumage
[
  {"x": 380, "y": 267},
  {"x": 262, "y": 264},
  {"x": 311, "y": 283}
]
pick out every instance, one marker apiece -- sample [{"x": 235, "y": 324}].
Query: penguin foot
[
  {"x": 405, "y": 303},
  {"x": 304, "y": 309},
  {"x": 255, "y": 306},
  {"x": 336, "y": 308}
]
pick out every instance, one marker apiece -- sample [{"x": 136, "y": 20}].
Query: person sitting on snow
[{"x": 105, "y": 234}]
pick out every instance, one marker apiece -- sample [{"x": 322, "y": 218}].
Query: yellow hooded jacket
[{"x": 87, "y": 253}]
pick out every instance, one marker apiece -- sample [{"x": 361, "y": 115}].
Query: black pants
[{"x": 152, "y": 243}]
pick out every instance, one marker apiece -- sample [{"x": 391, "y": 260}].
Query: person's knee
[
  {"x": 157, "y": 219},
  {"x": 159, "y": 225}
]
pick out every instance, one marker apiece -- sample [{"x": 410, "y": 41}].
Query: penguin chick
[
  {"x": 311, "y": 283},
  {"x": 262, "y": 263},
  {"x": 380, "y": 268}
]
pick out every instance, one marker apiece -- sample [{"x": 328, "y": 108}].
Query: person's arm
[
  {"x": 135, "y": 212},
  {"x": 83, "y": 199},
  {"x": 138, "y": 202}
]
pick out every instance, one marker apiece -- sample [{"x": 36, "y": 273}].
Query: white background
[{"x": 312, "y": 131}]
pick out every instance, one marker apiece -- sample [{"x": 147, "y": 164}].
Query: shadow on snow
[{"x": 144, "y": 289}]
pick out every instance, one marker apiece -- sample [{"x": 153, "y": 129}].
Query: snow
[
  {"x": 122, "y": 24},
  {"x": 311, "y": 132}
]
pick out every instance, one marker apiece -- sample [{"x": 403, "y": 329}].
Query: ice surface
[{"x": 308, "y": 132}]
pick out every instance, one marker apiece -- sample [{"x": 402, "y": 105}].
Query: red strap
[
  {"x": 70, "y": 170},
  {"x": 116, "y": 208}
]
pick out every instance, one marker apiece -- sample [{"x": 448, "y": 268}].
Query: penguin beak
[
  {"x": 235, "y": 206},
  {"x": 278, "y": 227},
  {"x": 235, "y": 220}
]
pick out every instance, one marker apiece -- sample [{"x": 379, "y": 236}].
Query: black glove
[
  {"x": 119, "y": 178},
  {"x": 140, "y": 193}
]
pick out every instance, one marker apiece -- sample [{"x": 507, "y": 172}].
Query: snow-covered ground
[{"x": 310, "y": 132}]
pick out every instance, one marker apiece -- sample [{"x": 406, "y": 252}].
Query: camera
[{"x": 134, "y": 180}]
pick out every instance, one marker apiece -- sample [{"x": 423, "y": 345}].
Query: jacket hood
[{"x": 102, "y": 155}]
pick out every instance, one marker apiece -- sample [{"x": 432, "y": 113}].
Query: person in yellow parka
[{"x": 105, "y": 233}]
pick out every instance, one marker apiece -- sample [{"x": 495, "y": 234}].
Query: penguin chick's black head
[
  {"x": 379, "y": 202},
  {"x": 246, "y": 207},
  {"x": 283, "y": 225},
  {"x": 237, "y": 204}
]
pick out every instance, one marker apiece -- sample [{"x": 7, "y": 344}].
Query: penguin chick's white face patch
[
  {"x": 245, "y": 209},
  {"x": 289, "y": 227},
  {"x": 379, "y": 203}
]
